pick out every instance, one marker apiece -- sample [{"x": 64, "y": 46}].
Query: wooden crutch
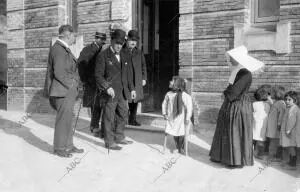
[
  {"x": 165, "y": 142},
  {"x": 186, "y": 134}
]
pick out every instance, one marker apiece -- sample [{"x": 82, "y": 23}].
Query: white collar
[
  {"x": 63, "y": 42},
  {"x": 234, "y": 73}
]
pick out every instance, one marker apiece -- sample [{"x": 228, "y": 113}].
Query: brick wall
[
  {"x": 34, "y": 23},
  {"x": 207, "y": 28},
  {"x": 31, "y": 24},
  {"x": 102, "y": 15}
]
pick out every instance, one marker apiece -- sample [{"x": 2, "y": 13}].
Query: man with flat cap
[
  {"x": 113, "y": 74},
  {"x": 86, "y": 69},
  {"x": 139, "y": 73}
]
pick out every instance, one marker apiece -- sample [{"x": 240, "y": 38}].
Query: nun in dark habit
[{"x": 232, "y": 141}]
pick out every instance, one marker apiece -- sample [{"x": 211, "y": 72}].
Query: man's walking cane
[
  {"x": 77, "y": 115},
  {"x": 80, "y": 109}
]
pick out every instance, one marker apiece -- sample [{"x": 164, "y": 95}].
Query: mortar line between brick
[
  {"x": 36, "y": 48},
  {"x": 39, "y": 28},
  {"x": 40, "y": 8},
  {"x": 218, "y": 13},
  {"x": 291, "y": 5},
  {"x": 94, "y": 1},
  {"x": 99, "y": 22},
  {"x": 206, "y": 39}
]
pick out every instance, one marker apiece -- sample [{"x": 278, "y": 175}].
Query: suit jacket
[
  {"x": 86, "y": 70},
  {"x": 109, "y": 72},
  {"x": 61, "y": 71},
  {"x": 139, "y": 71},
  {"x": 86, "y": 63}
]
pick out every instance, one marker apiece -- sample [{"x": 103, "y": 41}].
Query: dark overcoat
[
  {"x": 109, "y": 72},
  {"x": 86, "y": 69},
  {"x": 61, "y": 71},
  {"x": 139, "y": 71}
]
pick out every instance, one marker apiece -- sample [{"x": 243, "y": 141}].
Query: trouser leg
[
  {"x": 63, "y": 132},
  {"x": 121, "y": 118},
  {"x": 132, "y": 111},
  {"x": 108, "y": 122},
  {"x": 96, "y": 114}
]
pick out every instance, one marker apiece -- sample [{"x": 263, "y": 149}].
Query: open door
[{"x": 157, "y": 23}]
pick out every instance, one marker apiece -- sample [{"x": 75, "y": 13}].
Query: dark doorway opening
[
  {"x": 158, "y": 24},
  {"x": 168, "y": 45},
  {"x": 3, "y": 53}
]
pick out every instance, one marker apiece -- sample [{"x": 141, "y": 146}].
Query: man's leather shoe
[
  {"x": 63, "y": 153},
  {"x": 113, "y": 147},
  {"x": 76, "y": 150},
  {"x": 134, "y": 123},
  {"x": 124, "y": 142}
]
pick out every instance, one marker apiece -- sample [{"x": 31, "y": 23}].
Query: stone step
[{"x": 149, "y": 122}]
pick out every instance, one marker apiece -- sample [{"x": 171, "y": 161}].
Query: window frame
[{"x": 262, "y": 20}]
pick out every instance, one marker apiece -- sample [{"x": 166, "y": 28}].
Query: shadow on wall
[{"x": 38, "y": 103}]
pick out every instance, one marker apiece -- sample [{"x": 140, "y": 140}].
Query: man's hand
[
  {"x": 166, "y": 117},
  {"x": 133, "y": 95},
  {"x": 144, "y": 82},
  {"x": 110, "y": 91},
  {"x": 186, "y": 122},
  {"x": 278, "y": 127}
]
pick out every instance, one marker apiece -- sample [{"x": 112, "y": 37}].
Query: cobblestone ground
[{"x": 28, "y": 165}]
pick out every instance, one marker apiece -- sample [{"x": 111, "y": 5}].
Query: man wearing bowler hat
[
  {"x": 139, "y": 73},
  {"x": 86, "y": 69},
  {"x": 113, "y": 74}
]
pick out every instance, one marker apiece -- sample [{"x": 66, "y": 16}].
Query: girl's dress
[
  {"x": 260, "y": 114},
  {"x": 176, "y": 126},
  {"x": 232, "y": 142},
  {"x": 275, "y": 119},
  {"x": 291, "y": 122}
]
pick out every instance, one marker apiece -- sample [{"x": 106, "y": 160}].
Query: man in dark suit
[
  {"x": 113, "y": 74},
  {"x": 139, "y": 73},
  {"x": 61, "y": 86},
  {"x": 86, "y": 69}
]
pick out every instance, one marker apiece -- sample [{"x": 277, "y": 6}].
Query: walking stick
[{"x": 77, "y": 116}]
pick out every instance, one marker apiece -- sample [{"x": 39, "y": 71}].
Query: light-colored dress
[
  {"x": 260, "y": 115},
  {"x": 275, "y": 119},
  {"x": 176, "y": 127},
  {"x": 290, "y": 122}
]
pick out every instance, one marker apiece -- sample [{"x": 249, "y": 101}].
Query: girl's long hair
[{"x": 178, "y": 87}]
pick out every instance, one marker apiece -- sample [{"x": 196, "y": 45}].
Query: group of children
[{"x": 276, "y": 126}]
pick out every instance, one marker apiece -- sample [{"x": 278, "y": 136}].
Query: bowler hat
[
  {"x": 133, "y": 35},
  {"x": 118, "y": 35},
  {"x": 100, "y": 35}
]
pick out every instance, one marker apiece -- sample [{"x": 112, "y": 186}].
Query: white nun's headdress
[{"x": 240, "y": 55}]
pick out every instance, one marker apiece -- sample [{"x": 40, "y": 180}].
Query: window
[{"x": 265, "y": 11}]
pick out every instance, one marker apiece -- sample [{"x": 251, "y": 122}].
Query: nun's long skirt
[{"x": 232, "y": 141}]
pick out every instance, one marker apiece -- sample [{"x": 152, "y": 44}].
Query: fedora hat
[{"x": 240, "y": 55}]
